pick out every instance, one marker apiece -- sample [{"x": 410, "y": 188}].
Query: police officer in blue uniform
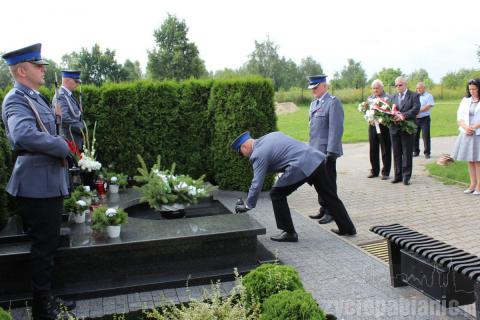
[
  {"x": 38, "y": 180},
  {"x": 72, "y": 112},
  {"x": 299, "y": 163},
  {"x": 326, "y": 130}
]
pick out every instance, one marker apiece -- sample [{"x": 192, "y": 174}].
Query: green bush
[
  {"x": 191, "y": 123},
  {"x": 212, "y": 306},
  {"x": 291, "y": 305},
  {"x": 4, "y": 315},
  {"x": 5, "y": 171},
  {"x": 267, "y": 280},
  {"x": 237, "y": 106}
]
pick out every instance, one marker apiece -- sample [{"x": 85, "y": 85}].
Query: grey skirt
[{"x": 467, "y": 148}]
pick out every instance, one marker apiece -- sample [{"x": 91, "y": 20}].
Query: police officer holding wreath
[
  {"x": 72, "y": 112},
  {"x": 38, "y": 180},
  {"x": 326, "y": 130}
]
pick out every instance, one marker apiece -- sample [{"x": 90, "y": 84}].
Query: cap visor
[
  {"x": 40, "y": 62},
  {"x": 313, "y": 86}
]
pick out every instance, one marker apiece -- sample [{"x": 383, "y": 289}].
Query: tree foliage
[
  {"x": 420, "y": 75},
  {"x": 478, "y": 53},
  {"x": 285, "y": 73},
  {"x": 131, "y": 71},
  {"x": 175, "y": 57},
  {"x": 387, "y": 75},
  {"x": 5, "y": 77},
  {"x": 97, "y": 66},
  {"x": 50, "y": 71},
  {"x": 308, "y": 67},
  {"x": 352, "y": 76},
  {"x": 459, "y": 78}
]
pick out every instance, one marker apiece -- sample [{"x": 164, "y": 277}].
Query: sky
[{"x": 438, "y": 36}]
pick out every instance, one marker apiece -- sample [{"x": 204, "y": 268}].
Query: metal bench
[{"x": 441, "y": 271}]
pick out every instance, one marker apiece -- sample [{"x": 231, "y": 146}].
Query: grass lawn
[
  {"x": 444, "y": 122},
  {"x": 454, "y": 173}
]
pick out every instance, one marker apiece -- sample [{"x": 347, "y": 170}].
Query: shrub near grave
[
  {"x": 4, "y": 315},
  {"x": 291, "y": 305},
  {"x": 267, "y": 280}
]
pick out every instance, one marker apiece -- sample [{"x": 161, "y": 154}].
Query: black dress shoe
[
  {"x": 65, "y": 304},
  {"x": 285, "y": 237},
  {"x": 396, "y": 180},
  {"x": 344, "y": 233},
  {"x": 427, "y": 156},
  {"x": 415, "y": 154},
  {"x": 371, "y": 175},
  {"x": 327, "y": 218},
  {"x": 317, "y": 216},
  {"x": 385, "y": 177},
  {"x": 406, "y": 182}
]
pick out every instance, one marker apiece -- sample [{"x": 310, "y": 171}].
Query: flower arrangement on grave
[
  {"x": 382, "y": 111},
  {"x": 114, "y": 178},
  {"x": 166, "y": 191},
  {"x": 87, "y": 160},
  {"x": 102, "y": 217},
  {"x": 80, "y": 193}
]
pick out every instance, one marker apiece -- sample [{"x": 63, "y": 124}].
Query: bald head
[{"x": 421, "y": 87}]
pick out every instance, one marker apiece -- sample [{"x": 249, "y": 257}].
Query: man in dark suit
[
  {"x": 299, "y": 163},
  {"x": 408, "y": 104}
]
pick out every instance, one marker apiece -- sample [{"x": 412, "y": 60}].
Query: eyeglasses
[
  {"x": 399, "y": 85},
  {"x": 471, "y": 81}
]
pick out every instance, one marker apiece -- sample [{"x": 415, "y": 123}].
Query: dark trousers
[
  {"x": 41, "y": 220},
  {"x": 424, "y": 127},
  {"x": 380, "y": 142},
  {"x": 325, "y": 189},
  {"x": 331, "y": 169},
  {"x": 402, "y": 145}
]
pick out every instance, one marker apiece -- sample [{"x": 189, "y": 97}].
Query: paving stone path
[{"x": 343, "y": 279}]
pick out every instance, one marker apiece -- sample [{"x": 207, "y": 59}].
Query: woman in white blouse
[{"x": 467, "y": 146}]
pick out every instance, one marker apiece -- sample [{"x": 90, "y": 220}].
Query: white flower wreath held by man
[{"x": 300, "y": 163}]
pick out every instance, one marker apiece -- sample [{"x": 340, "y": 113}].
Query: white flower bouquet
[{"x": 87, "y": 160}]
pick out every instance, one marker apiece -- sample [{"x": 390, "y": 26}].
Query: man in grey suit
[
  {"x": 38, "y": 179},
  {"x": 299, "y": 163},
  {"x": 408, "y": 104},
  {"x": 71, "y": 109},
  {"x": 326, "y": 130}
]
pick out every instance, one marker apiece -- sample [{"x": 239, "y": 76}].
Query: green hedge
[
  {"x": 237, "y": 106},
  {"x": 150, "y": 118},
  {"x": 5, "y": 168},
  {"x": 191, "y": 123}
]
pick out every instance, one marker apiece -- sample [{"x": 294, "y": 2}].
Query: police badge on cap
[
  {"x": 314, "y": 81},
  {"x": 31, "y": 54}
]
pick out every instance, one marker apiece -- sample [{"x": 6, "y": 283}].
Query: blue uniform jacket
[
  {"x": 277, "y": 152},
  {"x": 71, "y": 116},
  {"x": 37, "y": 172},
  {"x": 326, "y": 124}
]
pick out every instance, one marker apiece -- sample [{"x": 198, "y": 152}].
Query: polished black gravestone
[{"x": 151, "y": 253}]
